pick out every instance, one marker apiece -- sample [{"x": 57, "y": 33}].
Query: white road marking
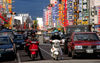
[
  {"x": 45, "y": 51},
  {"x": 18, "y": 57}
]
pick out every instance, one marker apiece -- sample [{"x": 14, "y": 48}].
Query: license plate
[{"x": 89, "y": 50}]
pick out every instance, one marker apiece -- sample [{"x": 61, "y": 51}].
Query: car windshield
[
  {"x": 4, "y": 41},
  {"x": 18, "y": 37},
  {"x": 86, "y": 37}
]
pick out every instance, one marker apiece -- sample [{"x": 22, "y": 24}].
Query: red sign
[
  {"x": 65, "y": 15},
  {"x": 99, "y": 16}
]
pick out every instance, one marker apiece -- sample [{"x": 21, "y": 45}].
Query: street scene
[{"x": 49, "y": 31}]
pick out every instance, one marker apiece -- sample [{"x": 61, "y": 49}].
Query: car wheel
[
  {"x": 73, "y": 55},
  {"x": 13, "y": 56},
  {"x": 32, "y": 57}
]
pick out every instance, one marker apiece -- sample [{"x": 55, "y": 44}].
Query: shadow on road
[{"x": 7, "y": 59}]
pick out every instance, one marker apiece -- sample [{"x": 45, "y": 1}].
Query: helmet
[{"x": 55, "y": 31}]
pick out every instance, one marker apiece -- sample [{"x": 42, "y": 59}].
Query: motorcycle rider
[
  {"x": 54, "y": 37},
  {"x": 34, "y": 37}
]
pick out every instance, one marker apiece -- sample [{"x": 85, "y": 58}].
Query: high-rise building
[
  {"x": 1, "y": 6},
  {"x": 95, "y": 14},
  {"x": 81, "y": 12},
  {"x": 70, "y": 11}
]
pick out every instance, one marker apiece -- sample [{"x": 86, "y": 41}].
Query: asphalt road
[{"x": 22, "y": 57}]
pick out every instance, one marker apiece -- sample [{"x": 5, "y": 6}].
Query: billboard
[
  {"x": 40, "y": 23},
  {"x": 97, "y": 2},
  {"x": 53, "y": 2},
  {"x": 70, "y": 11}
]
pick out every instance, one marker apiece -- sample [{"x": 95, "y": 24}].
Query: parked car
[
  {"x": 7, "y": 47},
  {"x": 19, "y": 40},
  {"x": 82, "y": 43}
]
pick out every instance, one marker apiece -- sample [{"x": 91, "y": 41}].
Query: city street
[
  {"x": 22, "y": 57},
  {"x": 30, "y": 29}
]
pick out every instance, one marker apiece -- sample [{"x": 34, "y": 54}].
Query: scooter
[
  {"x": 56, "y": 49},
  {"x": 33, "y": 49}
]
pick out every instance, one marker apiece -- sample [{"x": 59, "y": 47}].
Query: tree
[{"x": 35, "y": 24}]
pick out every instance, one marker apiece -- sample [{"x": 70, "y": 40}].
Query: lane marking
[
  {"x": 45, "y": 51},
  {"x": 18, "y": 57}
]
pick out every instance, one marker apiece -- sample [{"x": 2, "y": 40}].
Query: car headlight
[
  {"x": 78, "y": 47},
  {"x": 9, "y": 49},
  {"x": 98, "y": 46}
]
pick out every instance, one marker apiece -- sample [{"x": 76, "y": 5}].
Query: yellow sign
[
  {"x": 4, "y": 6},
  {"x": 9, "y": 6},
  {"x": 85, "y": 22},
  {"x": 4, "y": 1}
]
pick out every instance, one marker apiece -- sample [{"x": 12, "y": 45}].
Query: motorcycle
[
  {"x": 56, "y": 49},
  {"x": 33, "y": 49}
]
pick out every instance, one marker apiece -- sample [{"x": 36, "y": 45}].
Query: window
[{"x": 86, "y": 37}]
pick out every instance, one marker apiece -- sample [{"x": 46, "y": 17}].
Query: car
[
  {"x": 19, "y": 40},
  {"x": 7, "y": 32},
  {"x": 74, "y": 28},
  {"x": 7, "y": 47},
  {"x": 46, "y": 37},
  {"x": 83, "y": 43}
]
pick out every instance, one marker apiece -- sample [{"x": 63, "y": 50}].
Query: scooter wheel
[
  {"x": 32, "y": 57},
  {"x": 56, "y": 58}
]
